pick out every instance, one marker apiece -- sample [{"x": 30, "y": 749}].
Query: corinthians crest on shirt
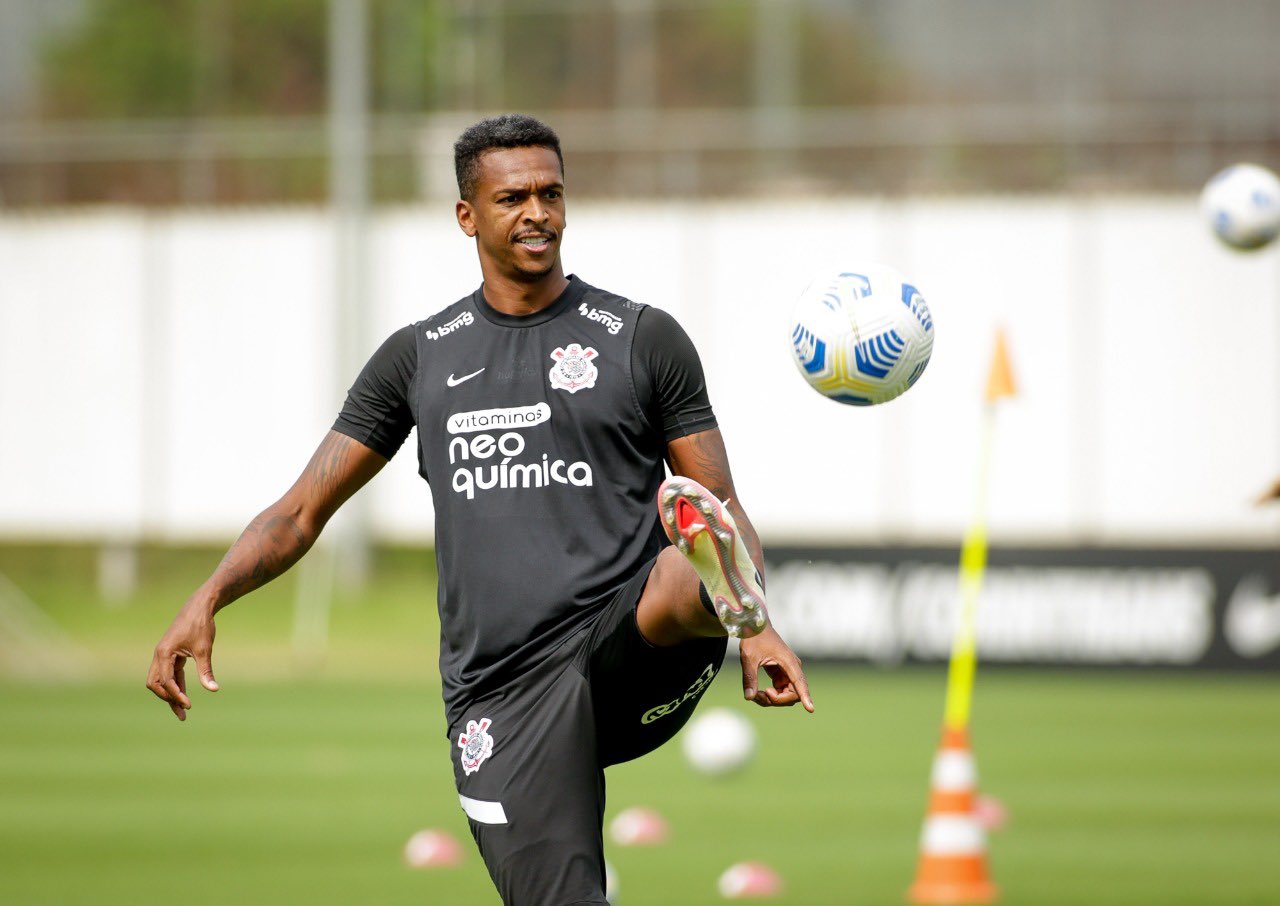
[
  {"x": 476, "y": 745},
  {"x": 574, "y": 369}
]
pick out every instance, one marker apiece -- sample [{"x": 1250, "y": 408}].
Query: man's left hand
[{"x": 769, "y": 652}]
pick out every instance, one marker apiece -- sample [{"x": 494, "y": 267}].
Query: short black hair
[{"x": 511, "y": 130}]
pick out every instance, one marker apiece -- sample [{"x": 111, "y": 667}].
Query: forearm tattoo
[
  {"x": 275, "y": 540},
  {"x": 330, "y": 467},
  {"x": 709, "y": 460},
  {"x": 270, "y": 544}
]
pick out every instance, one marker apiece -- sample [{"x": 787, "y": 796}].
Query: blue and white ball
[
  {"x": 861, "y": 335},
  {"x": 1242, "y": 205}
]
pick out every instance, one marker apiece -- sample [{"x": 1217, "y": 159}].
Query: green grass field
[{"x": 301, "y": 784}]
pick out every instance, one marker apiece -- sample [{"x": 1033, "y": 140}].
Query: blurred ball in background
[
  {"x": 719, "y": 742},
  {"x": 432, "y": 849},
  {"x": 749, "y": 881},
  {"x": 638, "y": 826},
  {"x": 1242, "y": 205}
]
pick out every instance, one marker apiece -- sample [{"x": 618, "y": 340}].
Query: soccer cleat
[{"x": 701, "y": 527}]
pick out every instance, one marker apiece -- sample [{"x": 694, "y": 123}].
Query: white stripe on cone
[
  {"x": 952, "y": 835},
  {"x": 954, "y": 770}
]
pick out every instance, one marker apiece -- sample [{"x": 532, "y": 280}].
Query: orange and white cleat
[{"x": 704, "y": 531}]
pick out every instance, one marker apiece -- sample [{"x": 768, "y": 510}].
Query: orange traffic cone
[{"x": 953, "y": 846}]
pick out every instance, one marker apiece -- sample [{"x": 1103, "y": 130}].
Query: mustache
[{"x": 543, "y": 233}]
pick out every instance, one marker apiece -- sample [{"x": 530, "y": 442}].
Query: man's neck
[{"x": 520, "y": 297}]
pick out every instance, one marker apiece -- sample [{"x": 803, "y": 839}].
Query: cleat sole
[{"x": 711, "y": 542}]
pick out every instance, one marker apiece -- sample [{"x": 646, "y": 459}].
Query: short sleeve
[
  {"x": 670, "y": 385},
  {"x": 377, "y": 411}
]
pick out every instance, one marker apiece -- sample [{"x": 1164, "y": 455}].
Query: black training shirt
[{"x": 543, "y": 438}]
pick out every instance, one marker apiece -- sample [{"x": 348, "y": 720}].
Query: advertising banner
[{"x": 1057, "y": 606}]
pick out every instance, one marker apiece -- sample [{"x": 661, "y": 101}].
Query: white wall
[{"x": 168, "y": 376}]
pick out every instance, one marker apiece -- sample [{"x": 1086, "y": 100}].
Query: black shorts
[{"x": 529, "y": 758}]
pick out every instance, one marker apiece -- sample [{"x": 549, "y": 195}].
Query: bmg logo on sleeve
[
  {"x": 463, "y": 320},
  {"x": 599, "y": 315}
]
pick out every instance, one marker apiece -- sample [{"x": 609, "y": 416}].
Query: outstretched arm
[
  {"x": 275, "y": 540},
  {"x": 702, "y": 457}
]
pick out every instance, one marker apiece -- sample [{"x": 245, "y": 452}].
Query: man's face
[{"x": 517, "y": 212}]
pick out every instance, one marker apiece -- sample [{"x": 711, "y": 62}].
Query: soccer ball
[
  {"x": 861, "y": 335},
  {"x": 1242, "y": 205},
  {"x": 719, "y": 741}
]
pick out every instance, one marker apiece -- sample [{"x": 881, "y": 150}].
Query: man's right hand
[
  {"x": 190, "y": 635},
  {"x": 275, "y": 540}
]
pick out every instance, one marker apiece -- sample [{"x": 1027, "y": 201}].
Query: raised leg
[{"x": 707, "y": 562}]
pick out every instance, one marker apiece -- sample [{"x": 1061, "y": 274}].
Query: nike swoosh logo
[{"x": 454, "y": 382}]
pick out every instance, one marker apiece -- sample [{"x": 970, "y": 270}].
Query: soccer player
[{"x": 573, "y": 637}]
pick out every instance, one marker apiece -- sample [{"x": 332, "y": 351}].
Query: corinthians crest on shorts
[
  {"x": 574, "y": 370},
  {"x": 476, "y": 745}
]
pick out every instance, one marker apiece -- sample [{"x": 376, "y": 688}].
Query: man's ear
[{"x": 466, "y": 219}]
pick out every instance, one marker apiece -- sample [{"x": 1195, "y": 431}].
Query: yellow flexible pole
[{"x": 973, "y": 553}]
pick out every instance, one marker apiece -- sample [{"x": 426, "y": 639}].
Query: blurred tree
[
  {"x": 128, "y": 58},
  {"x": 841, "y": 64},
  {"x": 706, "y": 55},
  {"x": 569, "y": 57},
  {"x": 191, "y": 60},
  {"x": 277, "y": 56},
  {"x": 199, "y": 58},
  {"x": 405, "y": 34}
]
